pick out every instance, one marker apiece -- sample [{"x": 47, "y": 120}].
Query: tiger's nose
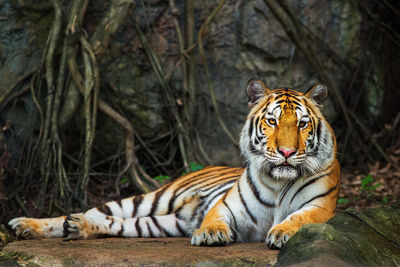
[{"x": 287, "y": 153}]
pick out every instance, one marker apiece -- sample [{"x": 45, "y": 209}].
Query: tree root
[{"x": 209, "y": 81}]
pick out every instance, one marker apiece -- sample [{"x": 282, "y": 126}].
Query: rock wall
[{"x": 245, "y": 40}]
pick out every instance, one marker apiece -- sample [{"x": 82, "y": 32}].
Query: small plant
[
  {"x": 162, "y": 178},
  {"x": 195, "y": 166},
  {"x": 342, "y": 201},
  {"x": 123, "y": 180},
  {"x": 367, "y": 184}
]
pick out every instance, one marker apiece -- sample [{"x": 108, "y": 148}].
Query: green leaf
[
  {"x": 385, "y": 200},
  {"x": 366, "y": 180},
  {"x": 195, "y": 167},
  {"x": 123, "y": 180},
  {"x": 343, "y": 200},
  {"x": 372, "y": 188},
  {"x": 162, "y": 178}
]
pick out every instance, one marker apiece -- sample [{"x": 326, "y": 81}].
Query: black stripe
[
  {"x": 168, "y": 234},
  {"x": 318, "y": 196},
  {"x": 105, "y": 209},
  {"x": 201, "y": 174},
  {"x": 254, "y": 150},
  {"x": 196, "y": 210},
  {"x": 119, "y": 203},
  {"x": 286, "y": 189},
  {"x": 255, "y": 191},
  {"x": 159, "y": 227},
  {"x": 202, "y": 202},
  {"x": 149, "y": 229},
  {"x": 307, "y": 184},
  {"x": 230, "y": 178},
  {"x": 198, "y": 176},
  {"x": 112, "y": 221},
  {"x": 295, "y": 102},
  {"x": 245, "y": 205},
  {"x": 155, "y": 222},
  {"x": 218, "y": 188},
  {"x": 156, "y": 200},
  {"x": 121, "y": 231},
  {"x": 318, "y": 134},
  {"x": 259, "y": 131},
  {"x": 312, "y": 125},
  {"x": 265, "y": 108},
  {"x": 180, "y": 230},
  {"x": 137, "y": 227},
  {"x": 137, "y": 200},
  {"x": 204, "y": 207},
  {"x": 66, "y": 226},
  {"x": 234, "y": 220},
  {"x": 199, "y": 181},
  {"x": 251, "y": 127},
  {"x": 176, "y": 195}
]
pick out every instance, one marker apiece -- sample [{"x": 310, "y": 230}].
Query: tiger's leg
[
  {"x": 319, "y": 209},
  {"x": 83, "y": 226},
  {"x": 280, "y": 233},
  {"x": 137, "y": 206},
  {"x": 215, "y": 229},
  {"x": 38, "y": 228}
]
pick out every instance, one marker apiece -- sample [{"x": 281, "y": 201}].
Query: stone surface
[
  {"x": 240, "y": 43},
  {"x": 351, "y": 238},
  {"x": 134, "y": 252}
]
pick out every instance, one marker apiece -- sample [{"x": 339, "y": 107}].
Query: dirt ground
[{"x": 135, "y": 252}]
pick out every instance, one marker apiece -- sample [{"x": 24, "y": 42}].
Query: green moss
[
  {"x": 16, "y": 259},
  {"x": 352, "y": 237}
]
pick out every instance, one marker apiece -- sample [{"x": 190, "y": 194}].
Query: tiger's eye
[
  {"x": 302, "y": 124},
  {"x": 271, "y": 121}
]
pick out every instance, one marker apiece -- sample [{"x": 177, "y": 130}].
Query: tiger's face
[{"x": 285, "y": 134}]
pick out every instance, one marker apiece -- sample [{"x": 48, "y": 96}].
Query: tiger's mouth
[{"x": 284, "y": 171}]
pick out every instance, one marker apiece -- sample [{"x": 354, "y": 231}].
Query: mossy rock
[
  {"x": 351, "y": 238},
  {"x": 5, "y": 236}
]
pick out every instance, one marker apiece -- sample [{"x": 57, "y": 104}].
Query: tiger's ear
[
  {"x": 255, "y": 90},
  {"x": 317, "y": 93}
]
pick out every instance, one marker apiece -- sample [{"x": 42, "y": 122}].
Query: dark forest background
[{"x": 100, "y": 99}]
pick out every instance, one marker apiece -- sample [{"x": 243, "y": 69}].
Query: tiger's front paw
[
  {"x": 219, "y": 235},
  {"x": 27, "y": 228},
  {"x": 76, "y": 227},
  {"x": 279, "y": 235}
]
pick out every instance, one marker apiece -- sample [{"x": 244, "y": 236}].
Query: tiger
[{"x": 290, "y": 177}]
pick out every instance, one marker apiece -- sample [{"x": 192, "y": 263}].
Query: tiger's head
[{"x": 285, "y": 135}]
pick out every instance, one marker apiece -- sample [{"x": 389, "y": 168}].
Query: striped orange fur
[{"x": 291, "y": 177}]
